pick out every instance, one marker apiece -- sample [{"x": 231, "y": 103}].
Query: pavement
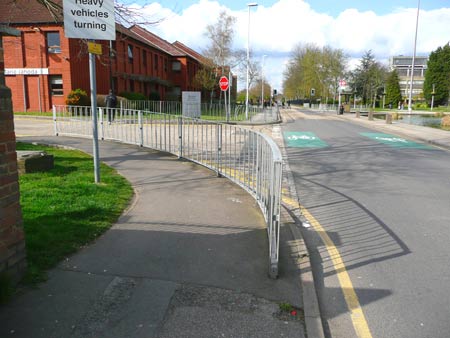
[
  {"x": 188, "y": 258},
  {"x": 432, "y": 136}
]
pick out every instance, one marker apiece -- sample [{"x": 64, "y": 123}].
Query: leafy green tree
[
  {"x": 206, "y": 78},
  {"x": 313, "y": 67},
  {"x": 368, "y": 78},
  {"x": 393, "y": 92},
  {"x": 438, "y": 74}
]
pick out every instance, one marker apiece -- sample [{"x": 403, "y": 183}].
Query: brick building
[{"x": 42, "y": 66}]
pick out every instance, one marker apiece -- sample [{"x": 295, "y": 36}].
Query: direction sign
[
  {"x": 89, "y": 19},
  {"x": 223, "y": 83}
]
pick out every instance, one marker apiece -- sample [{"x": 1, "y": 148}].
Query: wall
[{"x": 12, "y": 244}]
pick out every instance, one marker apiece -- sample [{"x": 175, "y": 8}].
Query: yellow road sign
[{"x": 95, "y": 48}]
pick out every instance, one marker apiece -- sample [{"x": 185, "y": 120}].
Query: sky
[{"x": 387, "y": 27}]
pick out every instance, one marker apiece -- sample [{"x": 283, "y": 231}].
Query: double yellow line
[{"x": 356, "y": 313}]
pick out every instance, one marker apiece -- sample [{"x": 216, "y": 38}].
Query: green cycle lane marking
[
  {"x": 395, "y": 141},
  {"x": 303, "y": 139}
]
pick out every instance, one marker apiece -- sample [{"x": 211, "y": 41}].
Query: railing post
[
  {"x": 180, "y": 137},
  {"x": 55, "y": 125},
  {"x": 102, "y": 126},
  {"x": 258, "y": 168},
  {"x": 219, "y": 148},
  {"x": 274, "y": 218},
  {"x": 141, "y": 129}
]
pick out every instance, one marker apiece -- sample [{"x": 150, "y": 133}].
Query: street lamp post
[
  {"x": 413, "y": 60},
  {"x": 262, "y": 81},
  {"x": 253, "y": 4}
]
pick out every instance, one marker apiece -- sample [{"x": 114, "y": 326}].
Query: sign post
[
  {"x": 92, "y": 20},
  {"x": 342, "y": 83},
  {"x": 223, "y": 84}
]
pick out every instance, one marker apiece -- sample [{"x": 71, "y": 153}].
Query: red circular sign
[{"x": 223, "y": 83}]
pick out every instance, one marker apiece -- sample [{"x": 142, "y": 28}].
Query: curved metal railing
[{"x": 250, "y": 159}]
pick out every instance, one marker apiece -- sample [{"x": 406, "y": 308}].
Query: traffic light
[{"x": 274, "y": 92}]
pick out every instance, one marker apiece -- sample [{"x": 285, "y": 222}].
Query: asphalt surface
[
  {"x": 383, "y": 201},
  {"x": 189, "y": 258}
]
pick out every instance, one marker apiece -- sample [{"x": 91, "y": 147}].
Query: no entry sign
[{"x": 223, "y": 83}]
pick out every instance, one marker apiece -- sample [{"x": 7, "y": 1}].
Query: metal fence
[
  {"x": 248, "y": 158},
  {"x": 209, "y": 111}
]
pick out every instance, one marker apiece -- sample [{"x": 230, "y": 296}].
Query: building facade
[
  {"x": 42, "y": 66},
  {"x": 403, "y": 65}
]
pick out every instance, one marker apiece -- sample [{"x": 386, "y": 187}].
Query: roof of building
[
  {"x": 156, "y": 41},
  {"x": 29, "y": 11},
  {"x": 25, "y": 12},
  {"x": 189, "y": 51}
]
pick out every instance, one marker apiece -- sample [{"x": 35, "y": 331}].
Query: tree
[
  {"x": 256, "y": 90},
  {"x": 206, "y": 78},
  {"x": 313, "y": 67},
  {"x": 393, "y": 92},
  {"x": 219, "y": 51},
  {"x": 368, "y": 78},
  {"x": 220, "y": 35},
  {"x": 438, "y": 74}
]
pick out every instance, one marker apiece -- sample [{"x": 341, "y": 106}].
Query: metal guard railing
[
  {"x": 248, "y": 158},
  {"x": 208, "y": 111}
]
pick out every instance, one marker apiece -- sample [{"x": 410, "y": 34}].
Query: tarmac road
[{"x": 383, "y": 202}]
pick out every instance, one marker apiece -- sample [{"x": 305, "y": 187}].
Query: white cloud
[{"x": 275, "y": 30}]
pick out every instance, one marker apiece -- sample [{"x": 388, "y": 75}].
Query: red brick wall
[
  {"x": 12, "y": 244},
  {"x": 29, "y": 51}
]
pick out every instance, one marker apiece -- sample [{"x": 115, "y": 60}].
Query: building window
[
  {"x": 53, "y": 42},
  {"x": 56, "y": 85},
  {"x": 176, "y": 66},
  {"x": 130, "y": 53},
  {"x": 144, "y": 58},
  {"x": 176, "y": 91}
]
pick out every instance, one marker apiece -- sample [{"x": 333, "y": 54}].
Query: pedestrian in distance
[
  {"x": 111, "y": 103},
  {"x": 341, "y": 109}
]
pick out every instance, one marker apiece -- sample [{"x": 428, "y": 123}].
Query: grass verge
[
  {"x": 28, "y": 113},
  {"x": 63, "y": 209}
]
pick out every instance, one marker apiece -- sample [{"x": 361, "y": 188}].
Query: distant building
[{"x": 403, "y": 65}]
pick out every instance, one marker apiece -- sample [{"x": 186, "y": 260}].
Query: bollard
[
  {"x": 358, "y": 114},
  {"x": 370, "y": 116},
  {"x": 388, "y": 119}
]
